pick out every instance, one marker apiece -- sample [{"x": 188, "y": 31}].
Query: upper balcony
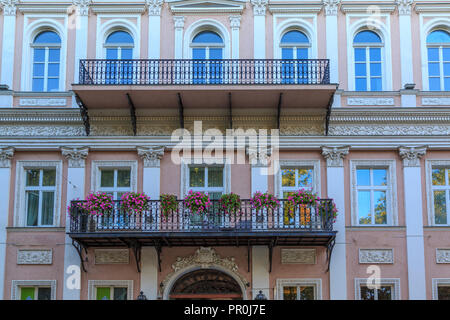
[{"x": 184, "y": 84}]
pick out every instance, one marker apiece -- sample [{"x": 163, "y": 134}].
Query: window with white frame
[
  {"x": 115, "y": 181},
  {"x": 372, "y": 193},
  {"x": 296, "y": 178},
  {"x": 208, "y": 179},
  {"x": 35, "y": 293},
  {"x": 119, "y": 46},
  {"x": 385, "y": 289},
  {"x": 111, "y": 293},
  {"x": 207, "y": 45},
  {"x": 110, "y": 289},
  {"x": 46, "y": 61},
  {"x": 33, "y": 290},
  {"x": 299, "y": 289},
  {"x": 368, "y": 61},
  {"x": 40, "y": 190},
  {"x": 440, "y": 188},
  {"x": 295, "y": 46},
  {"x": 441, "y": 289},
  {"x": 438, "y": 51}
]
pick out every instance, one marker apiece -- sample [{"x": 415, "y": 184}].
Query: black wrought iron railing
[
  {"x": 204, "y": 72},
  {"x": 286, "y": 217}
]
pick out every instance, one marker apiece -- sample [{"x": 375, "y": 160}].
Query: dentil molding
[{"x": 411, "y": 155}]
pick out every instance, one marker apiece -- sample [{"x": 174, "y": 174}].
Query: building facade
[{"x": 347, "y": 99}]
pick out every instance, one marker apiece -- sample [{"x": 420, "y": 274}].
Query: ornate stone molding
[
  {"x": 151, "y": 156},
  {"x": 6, "y": 153},
  {"x": 376, "y": 256},
  {"x": 386, "y": 129},
  {"x": 112, "y": 256},
  {"x": 404, "y": 6},
  {"x": 235, "y": 22},
  {"x": 331, "y": 7},
  {"x": 43, "y": 102},
  {"x": 179, "y": 22},
  {"x": 442, "y": 255},
  {"x": 258, "y": 156},
  {"x": 259, "y": 7},
  {"x": 335, "y": 155},
  {"x": 83, "y": 6},
  {"x": 298, "y": 256},
  {"x": 358, "y": 101},
  {"x": 9, "y": 7},
  {"x": 16, "y": 284},
  {"x": 411, "y": 155},
  {"x": 204, "y": 257},
  {"x": 154, "y": 7},
  {"x": 34, "y": 256},
  {"x": 75, "y": 156},
  {"x": 436, "y": 101}
]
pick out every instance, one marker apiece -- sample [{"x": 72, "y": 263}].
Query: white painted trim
[
  {"x": 436, "y": 282},
  {"x": 16, "y": 284},
  {"x": 317, "y": 283},
  {"x": 92, "y": 284},
  {"x": 314, "y": 164},
  {"x": 31, "y": 30},
  {"x": 203, "y": 25},
  {"x": 384, "y": 31},
  {"x": 391, "y": 194},
  {"x": 19, "y": 205},
  {"x": 429, "y": 164},
  {"x": 395, "y": 282},
  {"x": 98, "y": 164}
]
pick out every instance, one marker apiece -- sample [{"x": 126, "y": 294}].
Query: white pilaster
[
  {"x": 260, "y": 271},
  {"x": 179, "y": 26},
  {"x": 154, "y": 28},
  {"x": 6, "y": 154},
  {"x": 149, "y": 272},
  {"x": 331, "y": 9},
  {"x": 406, "y": 49},
  {"x": 152, "y": 170},
  {"x": 9, "y": 34},
  {"x": 259, "y": 161},
  {"x": 75, "y": 190},
  {"x": 235, "y": 22},
  {"x": 81, "y": 34},
  {"x": 414, "y": 221},
  {"x": 259, "y": 28},
  {"x": 335, "y": 191}
]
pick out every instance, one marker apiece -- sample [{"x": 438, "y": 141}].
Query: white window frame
[
  {"x": 316, "y": 283},
  {"x": 118, "y": 46},
  {"x": 115, "y": 189},
  {"x": 294, "y": 46},
  {"x": 205, "y": 188},
  {"x": 367, "y": 62},
  {"x": 97, "y": 166},
  {"x": 441, "y": 61},
  {"x": 93, "y": 284},
  {"x": 429, "y": 165},
  {"x": 437, "y": 282},
  {"x": 20, "y": 214},
  {"x": 394, "y": 282},
  {"x": 297, "y": 164},
  {"x": 391, "y": 190},
  {"x": 46, "y": 62},
  {"x": 17, "y": 284},
  {"x": 43, "y": 22}
]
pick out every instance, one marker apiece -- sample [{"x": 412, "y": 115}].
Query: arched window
[
  {"x": 46, "y": 61},
  {"x": 119, "y": 46},
  {"x": 368, "y": 61},
  {"x": 207, "y": 45},
  {"x": 438, "y": 47},
  {"x": 294, "y": 46}
]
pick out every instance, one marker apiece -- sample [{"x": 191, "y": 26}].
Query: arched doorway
[{"x": 206, "y": 284}]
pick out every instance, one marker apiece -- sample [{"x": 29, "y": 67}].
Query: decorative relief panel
[
  {"x": 112, "y": 256},
  {"x": 43, "y": 102},
  {"x": 442, "y": 255},
  {"x": 298, "y": 256},
  {"x": 34, "y": 256},
  {"x": 370, "y": 101},
  {"x": 436, "y": 101},
  {"x": 376, "y": 256}
]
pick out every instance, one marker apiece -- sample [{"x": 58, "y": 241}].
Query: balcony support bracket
[
  {"x": 132, "y": 114},
  {"x": 330, "y": 247},
  {"x": 158, "y": 253},
  {"x": 84, "y": 114},
  {"x": 181, "y": 110},
  {"x": 271, "y": 245},
  {"x": 136, "y": 247},
  {"x": 79, "y": 247},
  {"x": 328, "y": 115}
]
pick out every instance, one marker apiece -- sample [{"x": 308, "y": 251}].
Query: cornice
[
  {"x": 383, "y": 7},
  {"x": 24, "y": 115},
  {"x": 385, "y": 115},
  {"x": 295, "y": 8},
  {"x": 45, "y": 8},
  {"x": 118, "y": 8},
  {"x": 438, "y": 6}
]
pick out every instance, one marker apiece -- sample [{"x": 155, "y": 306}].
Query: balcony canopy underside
[
  {"x": 207, "y": 97},
  {"x": 207, "y": 238}
]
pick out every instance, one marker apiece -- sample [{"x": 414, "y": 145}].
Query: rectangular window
[
  {"x": 372, "y": 193},
  {"x": 440, "y": 188},
  {"x": 306, "y": 292},
  {"x": 443, "y": 292},
  {"x": 111, "y": 293},
  {"x": 35, "y": 293},
  {"x": 384, "y": 292},
  {"x": 208, "y": 179},
  {"x": 115, "y": 181},
  {"x": 40, "y": 189}
]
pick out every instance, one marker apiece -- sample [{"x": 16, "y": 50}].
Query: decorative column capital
[
  {"x": 331, "y": 7},
  {"x": 258, "y": 157},
  {"x": 9, "y": 7},
  {"x": 235, "y": 22},
  {"x": 6, "y": 153},
  {"x": 404, "y": 6},
  {"x": 154, "y": 7},
  {"x": 411, "y": 155},
  {"x": 335, "y": 155},
  {"x": 259, "y": 7},
  {"x": 179, "y": 22},
  {"x": 75, "y": 156},
  {"x": 82, "y": 6},
  {"x": 151, "y": 156}
]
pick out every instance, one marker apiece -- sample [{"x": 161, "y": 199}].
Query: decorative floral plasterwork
[
  {"x": 9, "y": 7},
  {"x": 154, "y": 7},
  {"x": 34, "y": 256},
  {"x": 178, "y": 21},
  {"x": 83, "y": 6},
  {"x": 411, "y": 155},
  {"x": 335, "y": 155},
  {"x": 331, "y": 7},
  {"x": 442, "y": 255},
  {"x": 259, "y": 7},
  {"x": 75, "y": 156},
  {"x": 6, "y": 154},
  {"x": 404, "y": 6},
  {"x": 112, "y": 256},
  {"x": 235, "y": 22},
  {"x": 370, "y": 101},
  {"x": 259, "y": 156},
  {"x": 376, "y": 256},
  {"x": 436, "y": 101},
  {"x": 151, "y": 156}
]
